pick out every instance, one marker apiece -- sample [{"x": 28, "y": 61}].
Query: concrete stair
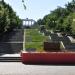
[
  {"x": 15, "y": 35},
  {"x": 10, "y": 59},
  {"x": 12, "y": 42},
  {"x": 11, "y": 47}
]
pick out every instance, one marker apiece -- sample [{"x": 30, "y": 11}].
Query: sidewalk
[{"x": 13, "y": 68}]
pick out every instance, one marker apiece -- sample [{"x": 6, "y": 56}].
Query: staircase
[
  {"x": 10, "y": 59},
  {"x": 11, "y": 47},
  {"x": 12, "y": 42},
  {"x": 13, "y": 36}
]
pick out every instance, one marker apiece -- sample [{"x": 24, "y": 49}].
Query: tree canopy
[
  {"x": 8, "y": 18},
  {"x": 62, "y": 19}
]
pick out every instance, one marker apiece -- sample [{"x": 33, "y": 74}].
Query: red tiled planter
[{"x": 48, "y": 57}]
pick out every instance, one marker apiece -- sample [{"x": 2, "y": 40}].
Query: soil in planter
[
  {"x": 52, "y": 47},
  {"x": 31, "y": 49}
]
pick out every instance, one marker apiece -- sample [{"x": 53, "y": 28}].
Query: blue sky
[{"x": 35, "y": 8}]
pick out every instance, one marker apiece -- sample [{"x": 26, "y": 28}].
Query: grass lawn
[{"x": 34, "y": 39}]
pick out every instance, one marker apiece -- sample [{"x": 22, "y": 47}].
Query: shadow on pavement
[{"x": 51, "y": 64}]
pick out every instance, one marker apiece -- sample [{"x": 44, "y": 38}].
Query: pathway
[{"x": 17, "y": 68}]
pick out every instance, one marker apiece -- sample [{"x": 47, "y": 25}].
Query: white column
[{"x": 31, "y": 23}]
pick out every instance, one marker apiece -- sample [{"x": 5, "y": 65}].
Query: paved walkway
[{"x": 14, "y": 68}]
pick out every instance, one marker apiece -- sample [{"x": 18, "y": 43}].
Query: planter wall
[{"x": 48, "y": 58}]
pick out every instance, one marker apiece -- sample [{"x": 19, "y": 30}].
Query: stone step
[
  {"x": 11, "y": 47},
  {"x": 10, "y": 59},
  {"x": 12, "y": 42},
  {"x": 13, "y": 36}
]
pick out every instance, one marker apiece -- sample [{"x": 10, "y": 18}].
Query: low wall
[{"x": 48, "y": 58}]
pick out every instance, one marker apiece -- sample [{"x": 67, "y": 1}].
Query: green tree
[{"x": 8, "y": 18}]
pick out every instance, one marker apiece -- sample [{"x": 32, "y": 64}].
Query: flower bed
[{"x": 40, "y": 52}]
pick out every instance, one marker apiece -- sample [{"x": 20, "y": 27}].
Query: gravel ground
[{"x": 17, "y": 68}]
